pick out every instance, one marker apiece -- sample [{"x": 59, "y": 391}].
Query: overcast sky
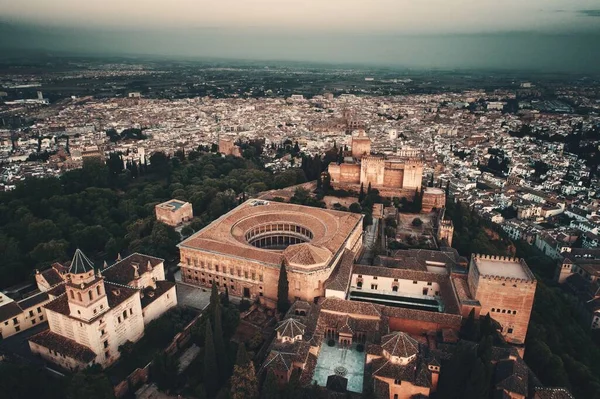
[{"x": 429, "y": 33}]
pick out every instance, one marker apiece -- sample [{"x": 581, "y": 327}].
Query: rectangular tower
[{"x": 505, "y": 287}]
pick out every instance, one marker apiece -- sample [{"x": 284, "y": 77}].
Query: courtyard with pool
[{"x": 346, "y": 362}]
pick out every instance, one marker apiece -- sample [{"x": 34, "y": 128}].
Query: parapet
[{"x": 503, "y": 268}]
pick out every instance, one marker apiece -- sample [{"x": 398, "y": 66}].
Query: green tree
[
  {"x": 163, "y": 371},
  {"x": 270, "y": 388},
  {"x": 211, "y": 370},
  {"x": 283, "y": 301},
  {"x": 90, "y": 383},
  {"x": 244, "y": 384},
  {"x": 223, "y": 356}
]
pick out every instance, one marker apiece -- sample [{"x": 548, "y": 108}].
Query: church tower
[{"x": 86, "y": 293}]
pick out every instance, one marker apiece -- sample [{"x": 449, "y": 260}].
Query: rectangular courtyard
[{"x": 346, "y": 362}]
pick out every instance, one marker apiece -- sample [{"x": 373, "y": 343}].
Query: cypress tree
[
  {"x": 226, "y": 297},
  {"x": 220, "y": 350},
  {"x": 214, "y": 299},
  {"x": 270, "y": 388},
  {"x": 469, "y": 329},
  {"x": 361, "y": 194},
  {"x": 283, "y": 302},
  {"x": 211, "y": 372},
  {"x": 244, "y": 384}
]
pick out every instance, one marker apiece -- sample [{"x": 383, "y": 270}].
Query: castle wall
[
  {"x": 413, "y": 174},
  {"x": 372, "y": 171},
  {"x": 393, "y": 177},
  {"x": 345, "y": 173}
]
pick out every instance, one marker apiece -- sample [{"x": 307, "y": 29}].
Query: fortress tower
[
  {"x": 413, "y": 175},
  {"x": 445, "y": 232},
  {"x": 505, "y": 288},
  {"x": 361, "y": 145},
  {"x": 372, "y": 170}
]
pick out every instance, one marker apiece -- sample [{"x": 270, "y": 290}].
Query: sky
[{"x": 553, "y": 35}]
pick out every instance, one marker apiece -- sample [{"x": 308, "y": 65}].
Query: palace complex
[{"x": 393, "y": 176}]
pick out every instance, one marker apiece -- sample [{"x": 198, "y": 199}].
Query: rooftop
[
  {"x": 324, "y": 233},
  {"x": 502, "y": 266},
  {"x": 173, "y": 204}
]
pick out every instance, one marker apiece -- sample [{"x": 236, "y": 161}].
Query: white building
[{"x": 98, "y": 311}]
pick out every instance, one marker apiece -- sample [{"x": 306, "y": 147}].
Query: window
[
  {"x": 102, "y": 332},
  {"x": 72, "y": 294},
  {"x": 359, "y": 285},
  {"x": 39, "y": 310},
  {"x": 253, "y": 276},
  {"x": 231, "y": 271},
  {"x": 32, "y": 321},
  {"x": 107, "y": 354},
  {"x": 374, "y": 277},
  {"x": 125, "y": 315},
  {"x": 429, "y": 283},
  {"x": 79, "y": 298},
  {"x": 232, "y": 287},
  {"x": 18, "y": 328},
  {"x": 503, "y": 310},
  {"x": 514, "y": 312},
  {"x": 260, "y": 277},
  {"x": 373, "y": 286},
  {"x": 41, "y": 318},
  {"x": 119, "y": 319},
  {"x": 395, "y": 280},
  {"x": 131, "y": 310},
  {"x": 395, "y": 288},
  {"x": 187, "y": 260},
  {"x": 98, "y": 290},
  {"x": 101, "y": 306},
  {"x": 245, "y": 274},
  {"x": 414, "y": 282},
  {"x": 493, "y": 310},
  {"x": 31, "y": 313},
  {"x": 217, "y": 268},
  {"x": 95, "y": 311},
  {"x": 15, "y": 321},
  {"x": 510, "y": 330},
  {"x": 105, "y": 343}
]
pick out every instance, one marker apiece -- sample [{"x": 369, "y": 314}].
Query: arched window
[
  {"x": 72, "y": 294},
  {"x": 79, "y": 297},
  {"x": 98, "y": 290},
  {"x": 90, "y": 294}
]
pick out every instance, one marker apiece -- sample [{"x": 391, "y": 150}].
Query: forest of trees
[{"x": 107, "y": 209}]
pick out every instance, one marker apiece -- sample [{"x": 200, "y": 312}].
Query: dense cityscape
[
  {"x": 296, "y": 200},
  {"x": 373, "y": 239}
]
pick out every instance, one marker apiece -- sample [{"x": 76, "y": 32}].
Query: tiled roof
[
  {"x": 553, "y": 393},
  {"x": 152, "y": 294},
  {"x": 400, "y": 344},
  {"x": 339, "y": 280},
  {"x": 64, "y": 346},
  {"x": 290, "y": 328},
  {"x": 9, "y": 310},
  {"x": 350, "y": 307},
  {"x": 227, "y": 234},
  {"x": 33, "y": 300},
  {"x": 80, "y": 263},
  {"x": 122, "y": 272},
  {"x": 52, "y": 276}
]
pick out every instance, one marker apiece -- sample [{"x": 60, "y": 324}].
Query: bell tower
[{"x": 85, "y": 289}]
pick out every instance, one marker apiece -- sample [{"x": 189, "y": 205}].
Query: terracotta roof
[
  {"x": 553, "y": 393},
  {"x": 33, "y": 300},
  {"x": 122, "y": 272},
  {"x": 227, "y": 235},
  {"x": 339, "y": 280},
  {"x": 80, "y": 263},
  {"x": 9, "y": 310},
  {"x": 64, "y": 346},
  {"x": 512, "y": 376},
  {"x": 52, "y": 276},
  {"x": 152, "y": 294},
  {"x": 400, "y": 344},
  {"x": 350, "y": 307},
  {"x": 290, "y": 328}
]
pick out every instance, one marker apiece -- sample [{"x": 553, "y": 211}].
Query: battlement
[
  {"x": 502, "y": 268},
  {"x": 445, "y": 224},
  {"x": 373, "y": 159}
]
